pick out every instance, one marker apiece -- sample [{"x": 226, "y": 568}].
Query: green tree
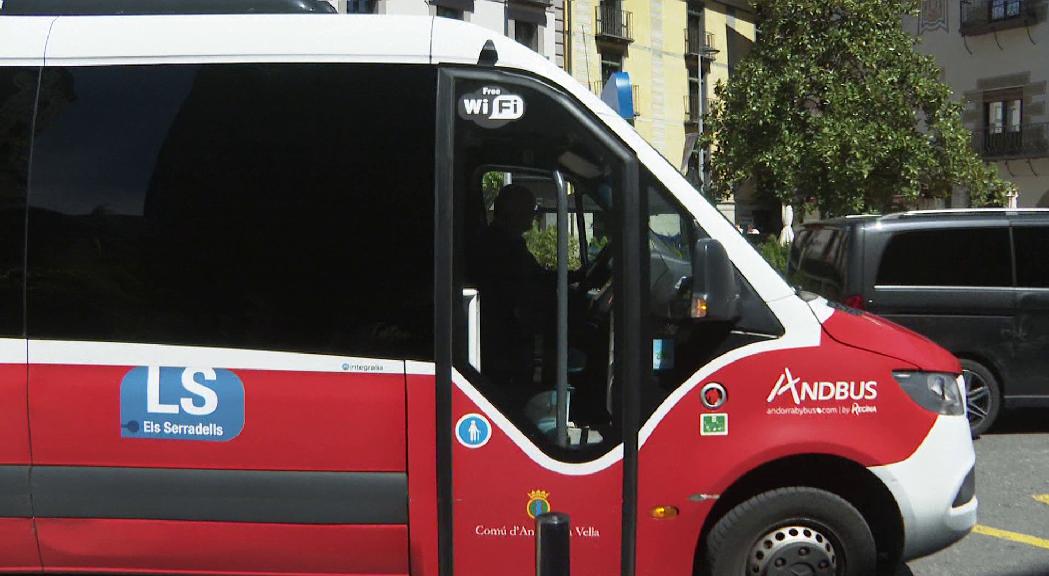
[
  {"x": 835, "y": 108},
  {"x": 542, "y": 243}
]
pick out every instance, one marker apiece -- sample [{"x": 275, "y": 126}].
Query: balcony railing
[
  {"x": 692, "y": 111},
  {"x": 615, "y": 24},
  {"x": 698, "y": 43},
  {"x": 982, "y": 16},
  {"x": 1026, "y": 141}
]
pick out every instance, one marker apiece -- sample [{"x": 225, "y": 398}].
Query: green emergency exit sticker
[{"x": 713, "y": 425}]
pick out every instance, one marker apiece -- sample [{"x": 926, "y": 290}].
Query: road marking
[
  {"x": 1012, "y": 536},
  {"x": 1043, "y": 498}
]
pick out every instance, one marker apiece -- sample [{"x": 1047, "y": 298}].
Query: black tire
[
  {"x": 983, "y": 396},
  {"x": 755, "y": 536}
]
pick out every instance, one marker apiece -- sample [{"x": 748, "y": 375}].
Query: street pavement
[{"x": 1012, "y": 483}]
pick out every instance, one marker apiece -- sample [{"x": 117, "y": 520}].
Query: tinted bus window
[
  {"x": 1032, "y": 256},
  {"x": 17, "y": 87},
  {"x": 265, "y": 206},
  {"x": 952, "y": 257}
]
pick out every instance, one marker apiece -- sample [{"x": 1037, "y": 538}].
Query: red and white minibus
[{"x": 269, "y": 305}]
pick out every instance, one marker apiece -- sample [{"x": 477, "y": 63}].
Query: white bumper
[{"x": 925, "y": 486}]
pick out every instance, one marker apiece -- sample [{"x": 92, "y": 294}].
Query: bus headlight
[{"x": 935, "y": 391}]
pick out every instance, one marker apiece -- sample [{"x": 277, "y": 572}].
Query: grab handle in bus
[
  {"x": 472, "y": 303},
  {"x": 562, "y": 309}
]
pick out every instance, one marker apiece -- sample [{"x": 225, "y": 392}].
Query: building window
[
  {"x": 527, "y": 33},
  {"x": 693, "y": 104},
  {"x": 610, "y": 64},
  {"x": 614, "y": 23},
  {"x": 1003, "y": 126},
  {"x": 360, "y": 6},
  {"x": 446, "y": 12},
  {"x": 1004, "y": 115},
  {"x": 1003, "y": 9}
]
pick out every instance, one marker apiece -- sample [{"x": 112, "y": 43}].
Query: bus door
[{"x": 538, "y": 327}]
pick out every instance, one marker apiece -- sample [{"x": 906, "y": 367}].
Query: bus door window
[{"x": 508, "y": 205}]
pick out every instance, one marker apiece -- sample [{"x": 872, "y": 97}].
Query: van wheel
[
  {"x": 791, "y": 531},
  {"x": 983, "y": 396}
]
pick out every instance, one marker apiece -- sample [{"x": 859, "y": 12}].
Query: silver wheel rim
[
  {"x": 793, "y": 551},
  {"x": 977, "y": 398}
]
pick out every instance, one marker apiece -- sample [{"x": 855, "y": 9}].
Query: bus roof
[{"x": 144, "y": 7}]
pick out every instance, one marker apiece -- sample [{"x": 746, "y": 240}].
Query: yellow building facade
[{"x": 675, "y": 52}]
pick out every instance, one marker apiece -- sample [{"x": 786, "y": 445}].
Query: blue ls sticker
[{"x": 181, "y": 404}]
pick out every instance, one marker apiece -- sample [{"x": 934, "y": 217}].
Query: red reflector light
[{"x": 854, "y": 301}]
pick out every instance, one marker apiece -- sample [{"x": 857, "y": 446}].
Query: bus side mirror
[{"x": 715, "y": 294}]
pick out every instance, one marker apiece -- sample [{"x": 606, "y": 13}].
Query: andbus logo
[{"x": 802, "y": 391}]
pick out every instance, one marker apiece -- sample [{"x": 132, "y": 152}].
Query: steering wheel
[{"x": 598, "y": 272}]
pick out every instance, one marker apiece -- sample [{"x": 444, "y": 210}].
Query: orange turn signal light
[
  {"x": 661, "y": 512},
  {"x": 699, "y": 308}
]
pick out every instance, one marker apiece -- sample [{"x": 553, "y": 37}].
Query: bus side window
[{"x": 168, "y": 208}]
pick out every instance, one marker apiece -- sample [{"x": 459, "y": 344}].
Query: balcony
[
  {"x": 699, "y": 44},
  {"x": 1028, "y": 141},
  {"x": 983, "y": 16},
  {"x": 614, "y": 25},
  {"x": 692, "y": 111}
]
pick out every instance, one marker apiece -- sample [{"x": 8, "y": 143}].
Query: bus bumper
[{"x": 934, "y": 488}]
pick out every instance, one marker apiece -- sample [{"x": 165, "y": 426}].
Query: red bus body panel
[
  {"x": 14, "y": 425},
  {"x": 77, "y": 545},
  {"x": 422, "y": 474},
  {"x": 678, "y": 465},
  {"x": 292, "y": 421},
  {"x": 18, "y": 551},
  {"x": 492, "y": 486}
]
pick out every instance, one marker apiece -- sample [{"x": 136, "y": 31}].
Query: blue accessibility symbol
[{"x": 473, "y": 430}]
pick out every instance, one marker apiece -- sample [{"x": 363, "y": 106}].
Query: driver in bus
[{"x": 516, "y": 291}]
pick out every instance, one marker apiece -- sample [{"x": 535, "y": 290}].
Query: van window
[
  {"x": 1032, "y": 262},
  {"x": 266, "y": 206},
  {"x": 17, "y": 87},
  {"x": 947, "y": 257},
  {"x": 820, "y": 261}
]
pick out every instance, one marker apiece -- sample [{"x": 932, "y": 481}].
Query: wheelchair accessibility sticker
[
  {"x": 166, "y": 403},
  {"x": 473, "y": 430}
]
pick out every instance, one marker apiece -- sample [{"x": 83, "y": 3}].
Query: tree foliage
[
  {"x": 542, "y": 243},
  {"x": 835, "y": 108}
]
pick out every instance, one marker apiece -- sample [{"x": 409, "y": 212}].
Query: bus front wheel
[{"x": 788, "y": 531}]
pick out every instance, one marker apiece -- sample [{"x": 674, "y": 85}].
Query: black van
[{"x": 974, "y": 281}]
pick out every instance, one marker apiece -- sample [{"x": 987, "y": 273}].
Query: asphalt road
[{"x": 1012, "y": 538}]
